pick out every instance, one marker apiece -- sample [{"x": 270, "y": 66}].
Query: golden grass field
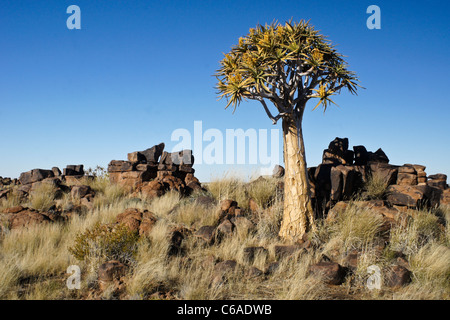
[{"x": 33, "y": 261}]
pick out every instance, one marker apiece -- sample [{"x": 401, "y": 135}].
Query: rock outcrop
[
  {"x": 343, "y": 174},
  {"x": 155, "y": 171}
]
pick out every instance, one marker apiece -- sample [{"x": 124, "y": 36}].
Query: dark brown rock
[
  {"x": 413, "y": 196},
  {"x": 407, "y": 168},
  {"x": 173, "y": 183},
  {"x": 152, "y": 189},
  {"x": 109, "y": 272},
  {"x": 388, "y": 173},
  {"x": 272, "y": 267},
  {"x": 283, "y": 251},
  {"x": 361, "y": 155},
  {"x": 27, "y": 218},
  {"x": 409, "y": 179},
  {"x": 74, "y": 170},
  {"x": 225, "y": 228},
  {"x": 35, "y": 175},
  {"x": 398, "y": 276},
  {"x": 253, "y": 272},
  {"x": 153, "y": 154},
  {"x": 177, "y": 235},
  {"x": 121, "y": 166},
  {"x": 250, "y": 253},
  {"x": 136, "y": 157},
  {"x": 438, "y": 181},
  {"x": 81, "y": 191},
  {"x": 137, "y": 221},
  {"x": 222, "y": 270},
  {"x": 332, "y": 272},
  {"x": 207, "y": 234},
  {"x": 56, "y": 172},
  {"x": 445, "y": 197},
  {"x": 278, "y": 171},
  {"x": 378, "y": 156},
  {"x": 14, "y": 209},
  {"x": 225, "y": 205},
  {"x": 206, "y": 201}
]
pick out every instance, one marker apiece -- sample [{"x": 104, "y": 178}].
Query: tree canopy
[{"x": 284, "y": 64}]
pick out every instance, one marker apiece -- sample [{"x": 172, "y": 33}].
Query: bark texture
[{"x": 298, "y": 215}]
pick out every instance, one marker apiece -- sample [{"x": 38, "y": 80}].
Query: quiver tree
[{"x": 286, "y": 65}]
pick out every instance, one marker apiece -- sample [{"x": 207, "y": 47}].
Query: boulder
[
  {"x": 338, "y": 153},
  {"x": 225, "y": 228},
  {"x": 361, "y": 155},
  {"x": 4, "y": 193},
  {"x": 283, "y": 251},
  {"x": 249, "y": 253},
  {"x": 398, "y": 276},
  {"x": 56, "y": 172},
  {"x": 253, "y": 272},
  {"x": 74, "y": 170},
  {"x": 173, "y": 183},
  {"x": 388, "y": 173},
  {"x": 81, "y": 191},
  {"x": 222, "y": 270},
  {"x": 150, "y": 171},
  {"x": 345, "y": 181},
  {"x": 153, "y": 154},
  {"x": 332, "y": 273},
  {"x": 74, "y": 180},
  {"x": 278, "y": 171},
  {"x": 225, "y": 205},
  {"x": 409, "y": 179},
  {"x": 206, "y": 201},
  {"x": 35, "y": 175},
  {"x": 121, "y": 166},
  {"x": 15, "y": 209},
  {"x": 184, "y": 157},
  {"x": 445, "y": 197},
  {"x": 438, "y": 181},
  {"x": 136, "y": 157},
  {"x": 407, "y": 168},
  {"x": 27, "y": 218},
  {"x": 176, "y": 237},
  {"x": 378, "y": 156},
  {"x": 152, "y": 189},
  {"x": 413, "y": 196},
  {"x": 110, "y": 272},
  {"x": 207, "y": 234},
  {"x": 137, "y": 221}
]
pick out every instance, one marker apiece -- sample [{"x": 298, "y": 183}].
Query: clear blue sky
[{"x": 138, "y": 70}]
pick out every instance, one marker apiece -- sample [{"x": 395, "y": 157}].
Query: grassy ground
[{"x": 33, "y": 262}]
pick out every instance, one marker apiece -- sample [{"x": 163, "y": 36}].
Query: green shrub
[{"x": 106, "y": 242}]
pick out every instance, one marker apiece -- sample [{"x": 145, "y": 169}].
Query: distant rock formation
[
  {"x": 343, "y": 174},
  {"x": 155, "y": 171}
]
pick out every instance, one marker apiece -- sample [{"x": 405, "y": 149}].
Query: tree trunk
[{"x": 298, "y": 215}]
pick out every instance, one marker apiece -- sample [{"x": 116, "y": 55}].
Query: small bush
[
  {"x": 357, "y": 227},
  {"x": 43, "y": 197},
  {"x": 375, "y": 188},
  {"x": 420, "y": 230},
  {"x": 263, "y": 191},
  {"x": 13, "y": 199},
  {"x": 229, "y": 187},
  {"x": 106, "y": 242}
]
